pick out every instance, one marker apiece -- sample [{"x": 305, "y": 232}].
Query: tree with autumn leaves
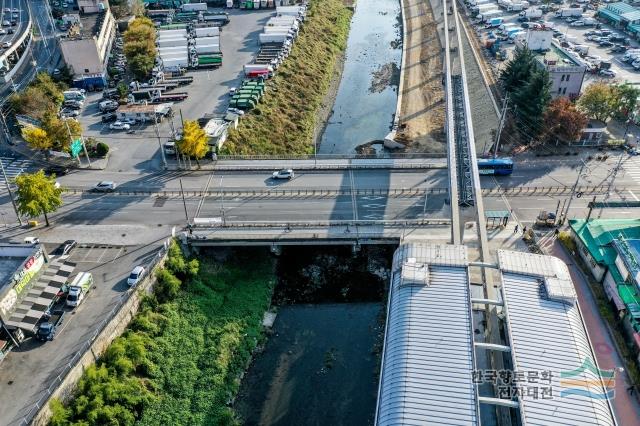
[
  {"x": 194, "y": 142},
  {"x": 563, "y": 122}
]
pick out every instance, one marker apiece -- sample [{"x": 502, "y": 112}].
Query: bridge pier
[
  {"x": 355, "y": 249},
  {"x": 276, "y": 249}
]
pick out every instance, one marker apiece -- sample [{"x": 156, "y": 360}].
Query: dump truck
[
  {"x": 546, "y": 218},
  {"x": 47, "y": 329},
  {"x": 219, "y": 19}
]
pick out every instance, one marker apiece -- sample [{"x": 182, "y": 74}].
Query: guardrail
[
  {"x": 290, "y": 225},
  {"x": 390, "y": 193},
  {"x": 320, "y": 166},
  {"x": 59, "y": 378},
  {"x": 386, "y": 156}
]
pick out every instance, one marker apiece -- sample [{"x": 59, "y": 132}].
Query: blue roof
[{"x": 620, "y": 8}]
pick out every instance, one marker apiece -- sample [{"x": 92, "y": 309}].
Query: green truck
[{"x": 205, "y": 61}]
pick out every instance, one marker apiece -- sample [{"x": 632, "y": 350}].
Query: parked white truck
[
  {"x": 531, "y": 14},
  {"x": 572, "y": 11},
  {"x": 274, "y": 38}
]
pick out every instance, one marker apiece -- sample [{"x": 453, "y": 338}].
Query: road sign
[{"x": 75, "y": 148}]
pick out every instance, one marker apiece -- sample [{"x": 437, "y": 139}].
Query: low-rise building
[
  {"x": 144, "y": 112},
  {"x": 611, "y": 250},
  {"x": 593, "y": 134},
  {"x": 19, "y": 266},
  {"x": 566, "y": 72},
  {"x": 86, "y": 48}
]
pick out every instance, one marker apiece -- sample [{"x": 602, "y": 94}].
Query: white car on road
[
  {"x": 136, "y": 275},
  {"x": 119, "y": 125},
  {"x": 105, "y": 186},
  {"x": 283, "y": 174}
]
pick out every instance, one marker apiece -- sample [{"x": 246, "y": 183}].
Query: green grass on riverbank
[
  {"x": 284, "y": 121},
  {"x": 180, "y": 360}
]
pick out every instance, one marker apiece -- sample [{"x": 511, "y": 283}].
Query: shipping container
[
  {"x": 172, "y": 42},
  {"x": 207, "y": 49},
  {"x": 207, "y": 40}
]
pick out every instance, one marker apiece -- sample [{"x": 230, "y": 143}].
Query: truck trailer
[
  {"x": 194, "y": 7},
  {"x": 531, "y": 14},
  {"x": 569, "y": 12},
  {"x": 207, "y": 32},
  {"x": 172, "y": 42},
  {"x": 274, "y": 38}
]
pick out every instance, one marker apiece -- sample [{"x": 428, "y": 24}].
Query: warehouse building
[{"x": 86, "y": 48}]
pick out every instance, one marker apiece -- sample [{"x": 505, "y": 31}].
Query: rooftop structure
[
  {"x": 565, "y": 71},
  {"x": 429, "y": 373},
  {"x": 428, "y": 357},
  {"x": 549, "y": 341},
  {"x": 19, "y": 263}
]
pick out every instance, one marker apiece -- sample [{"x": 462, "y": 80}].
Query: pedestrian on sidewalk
[
  {"x": 524, "y": 230},
  {"x": 515, "y": 230},
  {"x": 556, "y": 232}
]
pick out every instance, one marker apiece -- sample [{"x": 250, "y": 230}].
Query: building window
[
  {"x": 559, "y": 90},
  {"x": 86, "y": 70},
  {"x": 568, "y": 75},
  {"x": 564, "y": 91},
  {"x": 562, "y": 78}
]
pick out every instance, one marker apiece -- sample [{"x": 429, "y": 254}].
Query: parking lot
[
  {"x": 28, "y": 370},
  {"x": 209, "y": 93},
  {"x": 570, "y": 37}
]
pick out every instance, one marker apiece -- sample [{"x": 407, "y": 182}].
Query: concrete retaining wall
[
  {"x": 389, "y": 140},
  {"x": 112, "y": 330}
]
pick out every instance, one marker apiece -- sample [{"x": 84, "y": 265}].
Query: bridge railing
[{"x": 320, "y": 192}]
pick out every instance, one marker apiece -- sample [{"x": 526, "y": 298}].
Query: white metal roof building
[
  {"x": 547, "y": 334},
  {"x": 428, "y": 356}
]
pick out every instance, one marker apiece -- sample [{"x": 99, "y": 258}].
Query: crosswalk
[
  {"x": 14, "y": 167},
  {"x": 632, "y": 168}
]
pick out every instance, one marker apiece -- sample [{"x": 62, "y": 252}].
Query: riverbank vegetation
[
  {"x": 284, "y": 120},
  {"x": 180, "y": 360}
]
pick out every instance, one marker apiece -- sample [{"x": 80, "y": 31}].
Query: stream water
[{"x": 367, "y": 95}]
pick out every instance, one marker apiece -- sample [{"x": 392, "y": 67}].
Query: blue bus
[{"x": 495, "y": 166}]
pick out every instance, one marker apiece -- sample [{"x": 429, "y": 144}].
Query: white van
[{"x": 79, "y": 288}]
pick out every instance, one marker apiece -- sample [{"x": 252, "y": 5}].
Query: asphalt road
[
  {"x": 20, "y": 8},
  {"x": 313, "y": 204}
]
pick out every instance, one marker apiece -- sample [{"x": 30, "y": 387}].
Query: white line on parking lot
[{"x": 633, "y": 195}]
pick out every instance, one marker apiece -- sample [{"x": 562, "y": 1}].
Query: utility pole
[
  {"x": 502, "y": 120},
  {"x": 573, "y": 191},
  {"x": 613, "y": 178},
  {"x": 224, "y": 221},
  {"x": 155, "y": 125},
  {"x": 13, "y": 201},
  {"x": 184, "y": 203}
]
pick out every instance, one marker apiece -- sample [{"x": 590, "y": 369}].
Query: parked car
[
  {"x": 129, "y": 121},
  {"x": 65, "y": 248},
  {"x": 577, "y": 23},
  {"x": 78, "y": 289},
  {"x": 75, "y": 104},
  {"x": 607, "y": 73},
  {"x": 105, "y": 186},
  {"x": 56, "y": 170},
  {"x": 283, "y": 174},
  {"x": 136, "y": 275},
  {"x": 119, "y": 125},
  {"x": 108, "y": 117},
  {"x": 605, "y": 43}
]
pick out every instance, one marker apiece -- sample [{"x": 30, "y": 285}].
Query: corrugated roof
[
  {"x": 632, "y": 16},
  {"x": 549, "y": 336},
  {"x": 598, "y": 233},
  {"x": 426, "y": 375}
]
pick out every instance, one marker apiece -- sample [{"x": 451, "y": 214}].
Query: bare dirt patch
[{"x": 421, "y": 126}]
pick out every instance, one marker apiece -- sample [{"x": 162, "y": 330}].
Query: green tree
[
  {"x": 531, "y": 99},
  {"x": 139, "y": 46},
  {"x": 194, "y": 142},
  {"x": 563, "y": 121},
  {"x": 37, "y": 138},
  {"x": 597, "y": 101},
  {"x": 37, "y": 194},
  {"x": 60, "y": 131},
  {"x": 518, "y": 70},
  {"x": 625, "y": 99}
]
